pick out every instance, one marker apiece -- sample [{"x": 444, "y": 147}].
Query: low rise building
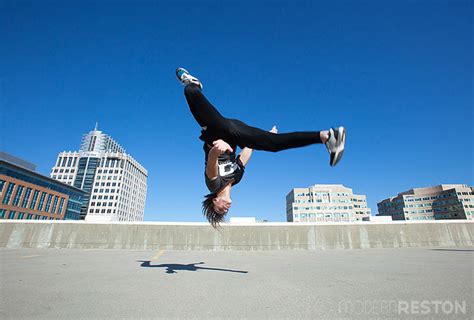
[
  {"x": 446, "y": 201},
  {"x": 325, "y": 203},
  {"x": 26, "y": 194}
]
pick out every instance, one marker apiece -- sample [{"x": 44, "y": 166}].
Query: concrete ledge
[{"x": 259, "y": 236}]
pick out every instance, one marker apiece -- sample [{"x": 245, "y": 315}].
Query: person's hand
[
  {"x": 220, "y": 146},
  {"x": 274, "y": 130}
]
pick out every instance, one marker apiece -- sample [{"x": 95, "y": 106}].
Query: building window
[
  {"x": 16, "y": 199},
  {"x": 2, "y": 213},
  {"x": 48, "y": 203},
  {"x": 26, "y": 198},
  {"x": 92, "y": 143},
  {"x": 40, "y": 206},
  {"x": 21, "y": 215},
  {"x": 12, "y": 215},
  {"x": 61, "y": 203},
  {"x": 55, "y": 203},
  {"x": 29, "y": 216},
  {"x": 2, "y": 183},
  {"x": 8, "y": 193},
  {"x": 33, "y": 201}
]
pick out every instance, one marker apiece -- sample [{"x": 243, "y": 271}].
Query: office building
[
  {"x": 446, "y": 201},
  {"x": 17, "y": 161},
  {"x": 115, "y": 182},
  {"x": 26, "y": 194},
  {"x": 325, "y": 203}
]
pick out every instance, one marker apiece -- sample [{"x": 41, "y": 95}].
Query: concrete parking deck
[{"x": 297, "y": 284}]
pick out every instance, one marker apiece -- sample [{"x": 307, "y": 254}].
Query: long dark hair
[{"x": 208, "y": 211}]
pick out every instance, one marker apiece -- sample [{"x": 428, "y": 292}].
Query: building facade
[
  {"x": 26, "y": 194},
  {"x": 446, "y": 201},
  {"x": 325, "y": 203},
  {"x": 115, "y": 182}
]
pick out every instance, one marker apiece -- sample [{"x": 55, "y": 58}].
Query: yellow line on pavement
[{"x": 158, "y": 255}]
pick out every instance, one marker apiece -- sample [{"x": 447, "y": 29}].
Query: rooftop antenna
[{"x": 96, "y": 125}]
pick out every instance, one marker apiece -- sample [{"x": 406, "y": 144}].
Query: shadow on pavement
[{"x": 172, "y": 267}]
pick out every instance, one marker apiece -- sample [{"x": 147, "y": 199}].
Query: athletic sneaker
[
  {"x": 335, "y": 144},
  {"x": 185, "y": 77}
]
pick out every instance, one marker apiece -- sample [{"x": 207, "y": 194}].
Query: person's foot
[
  {"x": 335, "y": 144},
  {"x": 186, "y": 78}
]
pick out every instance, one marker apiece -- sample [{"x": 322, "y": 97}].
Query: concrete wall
[{"x": 262, "y": 236}]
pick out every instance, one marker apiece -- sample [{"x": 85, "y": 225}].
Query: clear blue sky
[{"x": 397, "y": 74}]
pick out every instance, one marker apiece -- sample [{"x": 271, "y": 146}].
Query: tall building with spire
[{"x": 115, "y": 182}]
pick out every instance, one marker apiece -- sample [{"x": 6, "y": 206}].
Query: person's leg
[
  {"x": 238, "y": 133},
  {"x": 251, "y": 137},
  {"x": 203, "y": 111},
  {"x": 258, "y": 139}
]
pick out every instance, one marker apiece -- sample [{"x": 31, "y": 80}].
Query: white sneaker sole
[
  {"x": 188, "y": 78},
  {"x": 337, "y": 154}
]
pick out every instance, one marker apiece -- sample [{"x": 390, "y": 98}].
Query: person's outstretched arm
[
  {"x": 212, "y": 167},
  {"x": 246, "y": 153}
]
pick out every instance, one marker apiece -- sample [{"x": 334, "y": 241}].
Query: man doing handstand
[{"x": 221, "y": 136}]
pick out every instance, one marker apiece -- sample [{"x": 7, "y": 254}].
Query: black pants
[{"x": 235, "y": 132}]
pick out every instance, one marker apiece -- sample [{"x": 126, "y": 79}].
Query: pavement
[{"x": 408, "y": 283}]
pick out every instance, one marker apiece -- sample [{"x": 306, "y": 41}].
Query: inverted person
[{"x": 221, "y": 136}]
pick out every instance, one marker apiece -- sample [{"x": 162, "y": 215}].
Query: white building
[
  {"x": 325, "y": 203},
  {"x": 115, "y": 181},
  {"x": 445, "y": 201}
]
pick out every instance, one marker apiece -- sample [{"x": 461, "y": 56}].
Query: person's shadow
[{"x": 172, "y": 267}]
